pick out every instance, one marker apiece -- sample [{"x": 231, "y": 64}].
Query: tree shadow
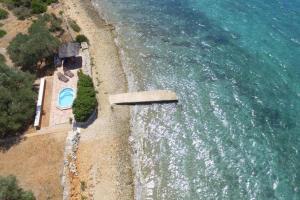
[
  {"x": 7, "y": 143},
  {"x": 148, "y": 103},
  {"x": 73, "y": 62},
  {"x": 89, "y": 121}
]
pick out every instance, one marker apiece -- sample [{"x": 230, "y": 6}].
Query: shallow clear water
[
  {"x": 235, "y": 67},
  {"x": 66, "y": 98}
]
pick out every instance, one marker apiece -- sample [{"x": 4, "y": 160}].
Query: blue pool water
[
  {"x": 235, "y": 65},
  {"x": 66, "y": 98}
]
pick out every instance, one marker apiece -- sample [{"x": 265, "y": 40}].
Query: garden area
[{"x": 26, "y": 8}]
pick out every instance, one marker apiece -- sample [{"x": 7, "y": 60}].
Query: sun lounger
[
  {"x": 68, "y": 73},
  {"x": 62, "y": 77}
]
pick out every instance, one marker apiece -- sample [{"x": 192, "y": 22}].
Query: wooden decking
[{"x": 156, "y": 96}]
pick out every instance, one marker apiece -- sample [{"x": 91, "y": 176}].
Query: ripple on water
[{"x": 234, "y": 65}]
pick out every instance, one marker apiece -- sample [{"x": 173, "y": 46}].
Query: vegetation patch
[
  {"x": 2, "y": 59},
  {"x": 52, "y": 22},
  {"x": 2, "y": 33},
  {"x": 74, "y": 25},
  {"x": 82, "y": 185},
  {"x": 38, "y": 6},
  {"x": 17, "y": 100},
  {"x": 55, "y": 24},
  {"x": 85, "y": 102},
  {"x": 3, "y": 14},
  {"x": 82, "y": 38},
  {"x": 32, "y": 49},
  {"x": 25, "y": 8},
  {"x": 10, "y": 190}
]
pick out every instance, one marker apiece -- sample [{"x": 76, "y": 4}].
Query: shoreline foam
[{"x": 104, "y": 161}]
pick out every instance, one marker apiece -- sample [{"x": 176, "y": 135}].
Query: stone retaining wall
[{"x": 70, "y": 158}]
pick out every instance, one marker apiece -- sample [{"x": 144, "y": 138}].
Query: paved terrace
[
  {"x": 58, "y": 116},
  {"x": 156, "y": 96}
]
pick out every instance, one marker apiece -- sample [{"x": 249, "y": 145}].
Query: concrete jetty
[{"x": 155, "y": 96}]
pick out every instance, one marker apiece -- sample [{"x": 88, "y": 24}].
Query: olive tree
[{"x": 17, "y": 100}]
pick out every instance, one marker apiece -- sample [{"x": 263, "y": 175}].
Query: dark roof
[{"x": 69, "y": 50}]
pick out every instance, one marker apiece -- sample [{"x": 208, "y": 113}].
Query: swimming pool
[{"x": 66, "y": 98}]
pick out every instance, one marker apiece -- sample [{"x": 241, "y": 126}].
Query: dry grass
[
  {"x": 37, "y": 163},
  {"x": 12, "y": 26}
]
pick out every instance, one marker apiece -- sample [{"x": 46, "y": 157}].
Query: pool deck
[{"x": 58, "y": 116}]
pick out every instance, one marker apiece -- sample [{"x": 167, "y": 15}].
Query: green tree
[
  {"x": 10, "y": 190},
  {"x": 17, "y": 100},
  {"x": 27, "y": 50},
  {"x": 52, "y": 22},
  {"x": 38, "y": 6}
]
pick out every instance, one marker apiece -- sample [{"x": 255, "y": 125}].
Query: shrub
[
  {"x": 19, "y": 3},
  {"x": 55, "y": 27},
  {"x": 21, "y": 8},
  {"x": 74, "y": 26},
  {"x": 26, "y": 50},
  {"x": 85, "y": 102},
  {"x": 2, "y": 59},
  {"x": 2, "y": 33},
  {"x": 50, "y": 21},
  {"x": 38, "y": 7},
  {"x": 38, "y": 26},
  {"x": 3, "y": 14},
  {"x": 25, "y": 8},
  {"x": 17, "y": 100},
  {"x": 82, "y": 38},
  {"x": 82, "y": 185},
  {"x": 22, "y": 12},
  {"x": 55, "y": 24},
  {"x": 10, "y": 190}
]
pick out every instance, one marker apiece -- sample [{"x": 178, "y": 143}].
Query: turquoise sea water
[{"x": 236, "y": 68}]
